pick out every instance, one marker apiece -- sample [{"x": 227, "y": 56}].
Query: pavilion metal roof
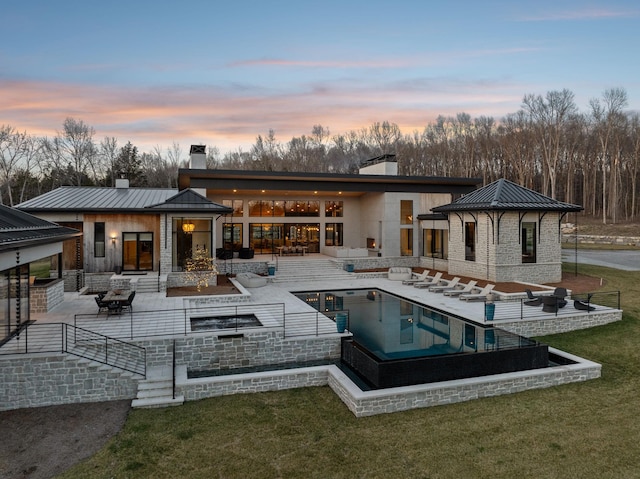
[
  {"x": 19, "y": 229},
  {"x": 136, "y": 200},
  {"x": 504, "y": 195}
]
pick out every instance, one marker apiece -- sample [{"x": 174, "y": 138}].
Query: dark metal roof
[
  {"x": 89, "y": 198},
  {"x": 434, "y": 216},
  {"x": 505, "y": 195},
  {"x": 189, "y": 200},
  {"x": 288, "y": 181},
  {"x": 20, "y": 229}
]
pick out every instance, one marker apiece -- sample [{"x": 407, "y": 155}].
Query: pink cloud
[{"x": 230, "y": 118}]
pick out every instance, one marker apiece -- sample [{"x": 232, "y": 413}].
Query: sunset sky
[{"x": 221, "y": 73}]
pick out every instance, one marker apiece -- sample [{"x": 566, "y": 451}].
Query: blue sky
[{"x": 221, "y": 73}]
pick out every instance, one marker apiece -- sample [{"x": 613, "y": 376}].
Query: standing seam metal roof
[{"x": 506, "y": 195}]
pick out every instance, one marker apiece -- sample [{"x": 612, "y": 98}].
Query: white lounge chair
[
  {"x": 425, "y": 284},
  {"x": 482, "y": 295},
  {"x": 417, "y": 278},
  {"x": 439, "y": 288},
  {"x": 457, "y": 292}
]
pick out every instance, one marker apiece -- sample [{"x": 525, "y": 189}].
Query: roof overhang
[{"x": 323, "y": 184}]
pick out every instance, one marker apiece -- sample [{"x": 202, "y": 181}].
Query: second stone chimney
[{"x": 197, "y": 157}]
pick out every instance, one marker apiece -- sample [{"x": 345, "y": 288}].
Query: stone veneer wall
[
  {"x": 559, "y": 324},
  {"x": 235, "y": 267},
  {"x": 45, "y": 297},
  {"x": 499, "y": 259},
  {"x": 255, "y": 348},
  {"x": 95, "y": 282},
  {"x": 369, "y": 403},
  {"x": 44, "y": 380},
  {"x": 70, "y": 280}
]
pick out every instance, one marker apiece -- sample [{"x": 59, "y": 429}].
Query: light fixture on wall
[
  {"x": 188, "y": 228},
  {"x": 113, "y": 240}
]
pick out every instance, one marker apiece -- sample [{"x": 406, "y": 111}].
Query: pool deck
[{"x": 361, "y": 403}]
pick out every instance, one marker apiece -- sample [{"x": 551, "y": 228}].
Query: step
[
  {"x": 155, "y": 384},
  {"x": 157, "y": 402}
]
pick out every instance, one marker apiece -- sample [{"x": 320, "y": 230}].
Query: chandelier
[{"x": 188, "y": 228}]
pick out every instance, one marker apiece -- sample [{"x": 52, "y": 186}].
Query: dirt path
[{"x": 40, "y": 443}]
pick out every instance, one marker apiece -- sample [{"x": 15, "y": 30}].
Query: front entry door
[{"x": 137, "y": 251}]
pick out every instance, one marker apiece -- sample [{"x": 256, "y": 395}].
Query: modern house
[
  {"x": 24, "y": 241},
  {"x": 373, "y": 213}
]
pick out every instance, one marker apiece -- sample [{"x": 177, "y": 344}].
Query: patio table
[{"x": 117, "y": 297}]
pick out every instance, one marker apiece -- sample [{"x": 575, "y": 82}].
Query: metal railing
[
  {"x": 143, "y": 324},
  {"x": 70, "y": 339},
  {"x": 518, "y": 309},
  {"x": 311, "y": 323}
]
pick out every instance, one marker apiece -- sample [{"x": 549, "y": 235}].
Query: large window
[
  {"x": 189, "y": 234},
  {"x": 406, "y": 242},
  {"x": 470, "y": 241},
  {"x": 333, "y": 234},
  {"x": 528, "y": 242},
  {"x": 98, "y": 240},
  {"x": 436, "y": 243},
  {"x": 292, "y": 208},
  {"x": 232, "y": 236},
  {"x": 406, "y": 212},
  {"x": 333, "y": 209},
  {"x": 237, "y": 205}
]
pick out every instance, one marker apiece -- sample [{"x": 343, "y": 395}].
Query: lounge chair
[
  {"x": 425, "y": 284},
  {"x": 532, "y": 299},
  {"x": 481, "y": 296},
  {"x": 457, "y": 292},
  {"x": 444, "y": 287},
  {"x": 417, "y": 278},
  {"x": 582, "y": 306}
]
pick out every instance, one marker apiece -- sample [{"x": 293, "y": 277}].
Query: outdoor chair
[
  {"x": 481, "y": 296},
  {"x": 457, "y": 292},
  {"x": 450, "y": 285},
  {"x": 551, "y": 304},
  {"x": 102, "y": 305},
  {"x": 425, "y": 284},
  {"x": 560, "y": 293},
  {"x": 417, "y": 278},
  {"x": 127, "y": 304},
  {"x": 532, "y": 299},
  {"x": 582, "y": 306}
]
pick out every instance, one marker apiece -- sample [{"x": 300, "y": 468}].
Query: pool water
[{"x": 397, "y": 342}]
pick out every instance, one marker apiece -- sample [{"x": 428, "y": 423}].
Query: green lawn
[{"x": 584, "y": 430}]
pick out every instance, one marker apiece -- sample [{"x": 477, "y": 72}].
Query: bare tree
[
  {"x": 607, "y": 115},
  {"x": 549, "y": 115},
  {"x": 108, "y": 154},
  {"x": 78, "y": 149},
  {"x": 14, "y": 148}
]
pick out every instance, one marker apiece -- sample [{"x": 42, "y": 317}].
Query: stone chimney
[
  {"x": 380, "y": 165},
  {"x": 197, "y": 157},
  {"x": 122, "y": 181}
]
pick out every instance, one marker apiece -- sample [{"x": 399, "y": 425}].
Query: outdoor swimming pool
[{"x": 398, "y": 343}]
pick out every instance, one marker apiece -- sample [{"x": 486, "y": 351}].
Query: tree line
[{"x": 590, "y": 158}]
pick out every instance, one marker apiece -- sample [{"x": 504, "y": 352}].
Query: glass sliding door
[{"x": 137, "y": 251}]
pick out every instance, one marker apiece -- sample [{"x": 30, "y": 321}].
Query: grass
[{"x": 585, "y": 430}]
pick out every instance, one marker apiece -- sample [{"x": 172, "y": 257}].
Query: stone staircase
[
  {"x": 157, "y": 390},
  {"x": 149, "y": 283},
  {"x": 308, "y": 269}
]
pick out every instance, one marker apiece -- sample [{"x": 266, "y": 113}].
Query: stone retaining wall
[
  {"x": 369, "y": 403},
  {"x": 559, "y": 324},
  {"x": 602, "y": 239},
  {"x": 45, "y": 380},
  {"x": 44, "y": 297},
  {"x": 221, "y": 351}
]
